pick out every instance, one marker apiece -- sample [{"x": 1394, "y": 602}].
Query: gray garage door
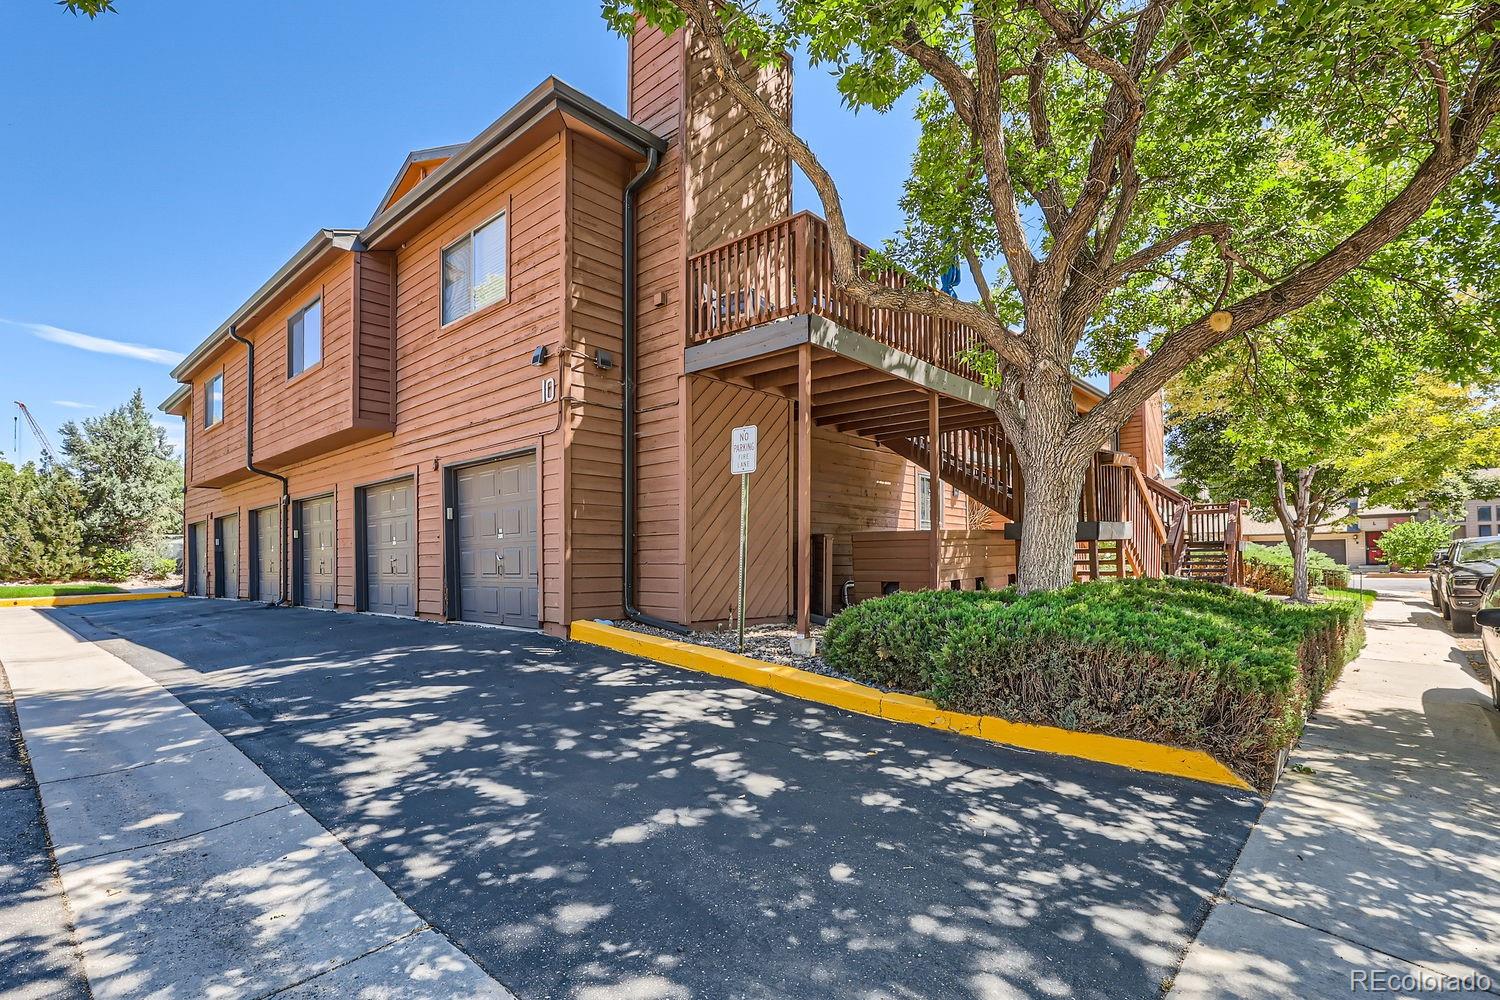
[
  {"x": 267, "y": 555},
  {"x": 198, "y": 554},
  {"x": 316, "y": 543},
  {"x": 228, "y": 531},
  {"x": 390, "y": 528},
  {"x": 497, "y": 551},
  {"x": 1334, "y": 548}
]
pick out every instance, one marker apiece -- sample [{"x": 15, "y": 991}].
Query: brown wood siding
[
  {"x": 656, "y": 80},
  {"x": 464, "y": 392},
  {"x": 593, "y": 398},
  {"x": 374, "y": 339},
  {"x": 714, "y": 505},
  {"x": 857, "y": 486},
  {"x": 219, "y": 451},
  {"x": 297, "y": 412},
  {"x": 904, "y": 558},
  {"x": 1144, "y": 437},
  {"x": 661, "y": 255},
  {"x": 737, "y": 179}
]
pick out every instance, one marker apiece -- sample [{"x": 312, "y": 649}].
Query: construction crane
[{"x": 36, "y": 432}]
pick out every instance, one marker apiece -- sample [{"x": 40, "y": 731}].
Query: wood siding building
[{"x": 434, "y": 422}]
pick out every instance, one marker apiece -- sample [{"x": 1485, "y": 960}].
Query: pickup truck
[{"x": 1460, "y": 576}]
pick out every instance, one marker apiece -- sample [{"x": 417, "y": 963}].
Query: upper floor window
[
  {"x": 304, "y": 339},
  {"x": 213, "y": 400},
  {"x": 474, "y": 270},
  {"x": 1484, "y": 513}
]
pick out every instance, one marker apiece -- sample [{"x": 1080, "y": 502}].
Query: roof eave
[
  {"x": 551, "y": 96},
  {"x": 313, "y": 250},
  {"x": 173, "y": 403}
]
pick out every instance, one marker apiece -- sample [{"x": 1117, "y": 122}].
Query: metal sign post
[{"x": 742, "y": 455}]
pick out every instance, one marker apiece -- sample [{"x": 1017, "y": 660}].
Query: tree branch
[
  {"x": 989, "y": 133},
  {"x": 1304, "y": 284},
  {"x": 1009, "y": 345},
  {"x": 976, "y": 270},
  {"x": 1440, "y": 81}
]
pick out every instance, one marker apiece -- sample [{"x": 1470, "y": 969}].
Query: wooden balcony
[{"x": 786, "y": 270}]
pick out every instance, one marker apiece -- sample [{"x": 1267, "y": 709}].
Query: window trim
[
  {"x": 924, "y": 510},
  {"x": 468, "y": 234},
  {"x": 208, "y": 399},
  {"x": 317, "y": 299}
]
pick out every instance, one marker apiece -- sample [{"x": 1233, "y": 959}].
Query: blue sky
[{"x": 162, "y": 162}]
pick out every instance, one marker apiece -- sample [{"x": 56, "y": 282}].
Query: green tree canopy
[
  {"x": 1178, "y": 174},
  {"x": 128, "y": 475},
  {"x": 41, "y": 523}
]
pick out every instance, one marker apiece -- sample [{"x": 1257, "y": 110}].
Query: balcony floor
[{"x": 860, "y": 386}]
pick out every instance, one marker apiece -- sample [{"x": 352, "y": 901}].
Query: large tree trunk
[
  {"x": 1053, "y": 477},
  {"x": 1049, "y": 524}
]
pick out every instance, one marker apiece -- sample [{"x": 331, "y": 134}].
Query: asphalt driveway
[{"x": 587, "y": 825}]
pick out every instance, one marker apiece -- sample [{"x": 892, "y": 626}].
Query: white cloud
[
  {"x": 70, "y": 404},
  {"x": 99, "y": 345}
]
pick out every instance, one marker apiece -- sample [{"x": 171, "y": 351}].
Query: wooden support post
[
  {"x": 804, "y": 489},
  {"x": 934, "y": 490}
]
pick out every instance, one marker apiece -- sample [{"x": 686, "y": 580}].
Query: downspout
[
  {"x": 627, "y": 367},
  {"x": 250, "y": 454}
]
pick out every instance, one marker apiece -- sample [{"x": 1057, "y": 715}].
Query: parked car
[
  {"x": 1488, "y": 620},
  {"x": 1462, "y": 577},
  {"x": 1439, "y": 557}
]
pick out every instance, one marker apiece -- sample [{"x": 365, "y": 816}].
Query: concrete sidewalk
[
  {"x": 39, "y": 960},
  {"x": 188, "y": 871},
  {"x": 1378, "y": 851}
]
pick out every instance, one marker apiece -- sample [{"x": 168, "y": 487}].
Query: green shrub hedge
[
  {"x": 1184, "y": 663},
  {"x": 1269, "y": 568}
]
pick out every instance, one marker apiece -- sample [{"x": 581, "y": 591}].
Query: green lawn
[
  {"x": 55, "y": 589},
  {"x": 1368, "y": 596}
]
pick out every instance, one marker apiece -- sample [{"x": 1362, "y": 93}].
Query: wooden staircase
[
  {"x": 1104, "y": 560},
  {"x": 1204, "y": 543},
  {"x": 1171, "y": 535},
  {"x": 1205, "y": 561},
  {"x": 976, "y": 460}
]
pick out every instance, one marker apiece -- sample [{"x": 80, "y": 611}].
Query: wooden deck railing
[
  {"x": 786, "y": 269},
  {"x": 1121, "y": 492}
]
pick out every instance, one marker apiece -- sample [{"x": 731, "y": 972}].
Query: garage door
[
  {"x": 316, "y": 537},
  {"x": 228, "y": 531},
  {"x": 497, "y": 551},
  {"x": 198, "y": 559},
  {"x": 1333, "y": 548},
  {"x": 389, "y": 530},
  {"x": 267, "y": 555}
]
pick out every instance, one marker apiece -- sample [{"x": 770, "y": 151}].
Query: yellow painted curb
[
  {"x": 1135, "y": 754},
  {"x": 68, "y": 600}
]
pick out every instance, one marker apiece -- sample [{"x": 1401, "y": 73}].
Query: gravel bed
[{"x": 772, "y": 643}]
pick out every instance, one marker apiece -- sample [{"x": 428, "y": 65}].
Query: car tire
[
  {"x": 1437, "y": 601},
  {"x": 1446, "y": 610},
  {"x": 1494, "y": 685},
  {"x": 1463, "y": 622}
]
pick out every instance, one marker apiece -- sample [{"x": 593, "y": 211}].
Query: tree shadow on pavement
[{"x": 589, "y": 825}]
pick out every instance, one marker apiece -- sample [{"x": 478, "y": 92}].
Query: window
[
  {"x": 1484, "y": 531},
  {"x": 304, "y": 339},
  {"x": 1484, "y": 513},
  {"x": 213, "y": 400},
  {"x": 474, "y": 271},
  {"x": 924, "y": 501}
]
